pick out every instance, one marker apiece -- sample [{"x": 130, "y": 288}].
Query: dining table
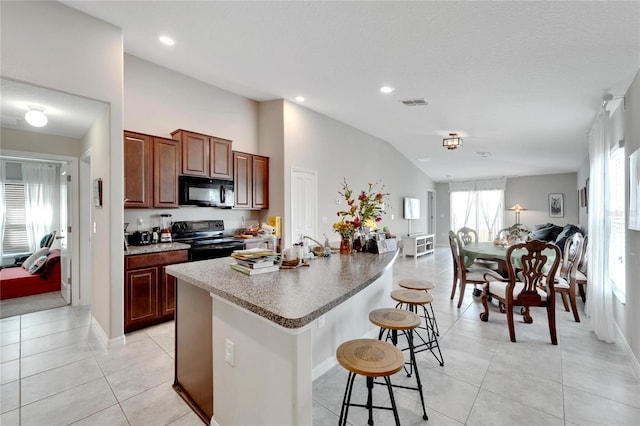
[{"x": 497, "y": 253}]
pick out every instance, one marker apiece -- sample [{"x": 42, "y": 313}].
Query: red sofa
[{"x": 17, "y": 282}]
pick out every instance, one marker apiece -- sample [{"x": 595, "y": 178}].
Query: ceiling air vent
[{"x": 415, "y": 102}]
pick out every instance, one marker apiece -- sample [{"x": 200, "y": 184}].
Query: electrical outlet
[
  {"x": 321, "y": 321},
  {"x": 229, "y": 352}
]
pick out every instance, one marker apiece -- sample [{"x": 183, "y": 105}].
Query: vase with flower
[{"x": 362, "y": 214}]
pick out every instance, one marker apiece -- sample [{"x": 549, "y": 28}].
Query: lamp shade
[
  {"x": 517, "y": 208},
  {"x": 36, "y": 117}
]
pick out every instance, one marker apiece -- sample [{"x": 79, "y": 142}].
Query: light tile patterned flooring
[{"x": 66, "y": 376}]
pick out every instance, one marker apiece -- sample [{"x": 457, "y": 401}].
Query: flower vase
[{"x": 345, "y": 246}]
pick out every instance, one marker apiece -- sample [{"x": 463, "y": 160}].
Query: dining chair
[
  {"x": 469, "y": 235},
  {"x": 461, "y": 274},
  {"x": 522, "y": 287},
  {"x": 583, "y": 267},
  {"x": 566, "y": 281}
]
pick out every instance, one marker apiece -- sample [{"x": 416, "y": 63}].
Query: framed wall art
[{"x": 556, "y": 205}]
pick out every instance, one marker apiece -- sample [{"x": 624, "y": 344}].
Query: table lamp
[{"x": 517, "y": 208}]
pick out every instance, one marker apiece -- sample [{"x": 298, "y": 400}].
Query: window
[
  {"x": 15, "y": 239},
  {"x": 481, "y": 210},
  {"x": 617, "y": 217}
]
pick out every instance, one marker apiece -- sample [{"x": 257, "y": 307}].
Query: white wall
[
  {"x": 628, "y": 315},
  {"x": 336, "y": 151},
  {"x": 532, "y": 192},
  {"x": 39, "y": 48},
  {"x": 19, "y": 140}
]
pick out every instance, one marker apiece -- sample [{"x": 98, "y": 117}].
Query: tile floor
[{"x": 54, "y": 371}]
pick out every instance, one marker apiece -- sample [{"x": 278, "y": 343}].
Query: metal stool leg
[
  {"x": 393, "y": 400},
  {"x": 415, "y": 366},
  {"x": 346, "y": 400},
  {"x": 370, "y": 399}
]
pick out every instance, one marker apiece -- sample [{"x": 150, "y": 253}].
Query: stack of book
[{"x": 255, "y": 261}]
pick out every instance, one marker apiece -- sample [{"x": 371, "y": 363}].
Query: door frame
[
  {"x": 290, "y": 235},
  {"x": 73, "y": 238}
]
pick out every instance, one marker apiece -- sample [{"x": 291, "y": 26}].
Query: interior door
[
  {"x": 431, "y": 212},
  {"x": 65, "y": 228},
  {"x": 304, "y": 204}
]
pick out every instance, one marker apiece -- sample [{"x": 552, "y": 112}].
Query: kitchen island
[{"x": 248, "y": 353}]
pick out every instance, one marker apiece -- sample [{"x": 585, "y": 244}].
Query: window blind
[{"x": 14, "y": 240}]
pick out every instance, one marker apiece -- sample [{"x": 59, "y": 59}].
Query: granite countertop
[
  {"x": 155, "y": 248},
  {"x": 291, "y": 298}
]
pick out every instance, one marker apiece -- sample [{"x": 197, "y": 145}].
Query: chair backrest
[
  {"x": 571, "y": 256},
  {"x": 504, "y": 233},
  {"x": 47, "y": 240},
  {"x": 534, "y": 271},
  {"x": 456, "y": 251},
  {"x": 467, "y": 235},
  {"x": 583, "y": 266}
]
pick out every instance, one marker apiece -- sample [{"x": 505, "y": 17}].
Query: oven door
[{"x": 214, "y": 251}]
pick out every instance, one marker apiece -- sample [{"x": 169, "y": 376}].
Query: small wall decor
[
  {"x": 634, "y": 190},
  {"x": 586, "y": 196},
  {"x": 97, "y": 193},
  {"x": 583, "y": 197},
  {"x": 556, "y": 205}
]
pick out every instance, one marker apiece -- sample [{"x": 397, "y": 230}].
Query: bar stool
[
  {"x": 424, "y": 285},
  {"x": 392, "y": 321},
  {"x": 411, "y": 300},
  {"x": 370, "y": 358}
]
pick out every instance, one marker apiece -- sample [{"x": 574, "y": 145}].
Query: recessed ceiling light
[
  {"x": 424, "y": 159},
  {"x": 387, "y": 89},
  {"x": 35, "y": 116},
  {"x": 299, "y": 98},
  {"x": 166, "y": 40}
]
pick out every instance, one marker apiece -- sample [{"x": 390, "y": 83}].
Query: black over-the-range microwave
[{"x": 206, "y": 192}]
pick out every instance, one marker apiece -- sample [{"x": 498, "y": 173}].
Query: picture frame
[
  {"x": 586, "y": 195},
  {"x": 556, "y": 205},
  {"x": 634, "y": 191},
  {"x": 97, "y": 193},
  {"x": 583, "y": 193}
]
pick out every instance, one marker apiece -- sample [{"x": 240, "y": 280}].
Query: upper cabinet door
[
  {"x": 242, "y": 178},
  {"x": 195, "y": 152},
  {"x": 137, "y": 170},
  {"x": 166, "y": 167},
  {"x": 220, "y": 158},
  {"x": 260, "y": 182}
]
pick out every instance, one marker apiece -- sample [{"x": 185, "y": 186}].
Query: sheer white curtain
[
  {"x": 599, "y": 296},
  {"x": 478, "y": 205},
  {"x": 40, "y": 191}
]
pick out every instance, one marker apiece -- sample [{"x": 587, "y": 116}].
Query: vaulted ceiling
[{"x": 520, "y": 81}]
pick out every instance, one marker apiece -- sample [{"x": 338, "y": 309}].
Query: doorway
[{"x": 304, "y": 204}]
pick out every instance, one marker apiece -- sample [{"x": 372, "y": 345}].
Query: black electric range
[{"x": 206, "y": 238}]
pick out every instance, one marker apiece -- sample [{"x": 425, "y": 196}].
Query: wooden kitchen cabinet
[
  {"x": 151, "y": 169},
  {"x": 137, "y": 170},
  {"x": 166, "y": 168},
  {"x": 251, "y": 180},
  {"x": 204, "y": 155},
  {"x": 149, "y": 294}
]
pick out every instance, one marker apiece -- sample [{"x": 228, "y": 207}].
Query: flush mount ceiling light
[
  {"x": 166, "y": 40},
  {"x": 452, "y": 142},
  {"x": 300, "y": 98},
  {"x": 387, "y": 89},
  {"x": 35, "y": 116}
]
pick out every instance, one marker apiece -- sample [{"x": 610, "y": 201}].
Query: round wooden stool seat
[
  {"x": 413, "y": 284},
  {"x": 394, "y": 319},
  {"x": 370, "y": 357},
  {"x": 413, "y": 297}
]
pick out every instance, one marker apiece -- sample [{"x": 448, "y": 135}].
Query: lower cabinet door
[
  {"x": 141, "y": 298},
  {"x": 168, "y": 300}
]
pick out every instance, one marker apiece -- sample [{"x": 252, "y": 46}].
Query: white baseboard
[
  {"x": 104, "y": 338},
  {"x": 634, "y": 360}
]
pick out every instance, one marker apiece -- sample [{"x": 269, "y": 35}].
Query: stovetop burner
[{"x": 206, "y": 238}]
